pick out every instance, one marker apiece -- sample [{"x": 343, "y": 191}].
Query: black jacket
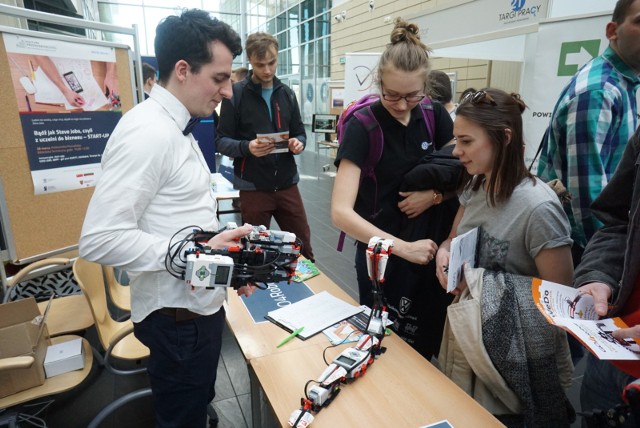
[{"x": 246, "y": 115}]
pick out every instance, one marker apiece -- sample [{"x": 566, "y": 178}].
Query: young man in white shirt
[{"x": 155, "y": 182}]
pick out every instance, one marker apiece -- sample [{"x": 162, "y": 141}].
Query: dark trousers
[
  {"x": 285, "y": 206},
  {"x": 182, "y": 366}
]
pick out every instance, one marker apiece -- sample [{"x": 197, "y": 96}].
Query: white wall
[{"x": 559, "y": 8}]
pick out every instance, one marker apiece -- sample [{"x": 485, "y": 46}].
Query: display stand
[
  {"x": 326, "y": 124},
  {"x": 53, "y": 224}
]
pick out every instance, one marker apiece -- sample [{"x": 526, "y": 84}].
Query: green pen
[{"x": 291, "y": 336}]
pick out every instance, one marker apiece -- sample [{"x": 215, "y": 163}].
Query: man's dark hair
[
  {"x": 187, "y": 37},
  {"x": 148, "y": 71},
  {"x": 621, "y": 11},
  {"x": 440, "y": 86}
]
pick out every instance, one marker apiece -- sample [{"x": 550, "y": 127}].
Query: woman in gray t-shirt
[{"x": 524, "y": 232}]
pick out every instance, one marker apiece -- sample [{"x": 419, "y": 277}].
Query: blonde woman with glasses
[{"x": 416, "y": 219}]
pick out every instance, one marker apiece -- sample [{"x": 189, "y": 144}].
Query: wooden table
[{"x": 401, "y": 388}]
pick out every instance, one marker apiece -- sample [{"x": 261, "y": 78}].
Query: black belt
[{"x": 179, "y": 314}]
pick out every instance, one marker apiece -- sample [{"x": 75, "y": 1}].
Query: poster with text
[{"x": 69, "y": 103}]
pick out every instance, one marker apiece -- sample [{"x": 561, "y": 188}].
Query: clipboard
[{"x": 315, "y": 313}]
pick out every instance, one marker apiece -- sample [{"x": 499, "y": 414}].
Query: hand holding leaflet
[
  {"x": 574, "y": 312},
  {"x": 463, "y": 250},
  {"x": 280, "y": 141}
]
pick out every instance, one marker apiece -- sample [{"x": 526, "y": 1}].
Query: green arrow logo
[{"x": 585, "y": 50}]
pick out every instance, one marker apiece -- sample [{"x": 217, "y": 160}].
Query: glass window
[
  {"x": 294, "y": 36},
  {"x": 152, "y": 17},
  {"x": 306, "y": 9},
  {"x": 281, "y": 22},
  {"x": 323, "y": 52},
  {"x": 270, "y": 7},
  {"x": 283, "y": 40},
  {"x": 308, "y": 60},
  {"x": 174, "y": 4},
  {"x": 284, "y": 63},
  {"x": 322, "y": 6},
  {"x": 271, "y": 26},
  {"x": 322, "y": 25},
  {"x": 307, "y": 33},
  {"x": 126, "y": 16}
]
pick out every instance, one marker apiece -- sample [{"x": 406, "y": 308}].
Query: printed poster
[{"x": 69, "y": 103}]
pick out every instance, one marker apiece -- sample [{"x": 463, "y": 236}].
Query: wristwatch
[{"x": 437, "y": 197}]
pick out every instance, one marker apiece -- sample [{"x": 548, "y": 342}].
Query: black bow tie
[{"x": 192, "y": 122}]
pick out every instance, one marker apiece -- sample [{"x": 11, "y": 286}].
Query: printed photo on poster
[{"x": 68, "y": 99}]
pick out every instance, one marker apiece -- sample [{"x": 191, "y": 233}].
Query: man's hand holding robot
[{"x": 237, "y": 257}]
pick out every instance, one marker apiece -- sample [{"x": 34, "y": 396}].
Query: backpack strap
[{"x": 426, "y": 107}]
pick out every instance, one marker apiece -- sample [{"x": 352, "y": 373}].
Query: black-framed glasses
[
  {"x": 479, "y": 97},
  {"x": 408, "y": 98}
]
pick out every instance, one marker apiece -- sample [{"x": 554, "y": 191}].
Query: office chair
[
  {"x": 51, "y": 386},
  {"x": 59, "y": 321},
  {"x": 116, "y": 337}
]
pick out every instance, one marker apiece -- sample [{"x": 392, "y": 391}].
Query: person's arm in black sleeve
[
  {"x": 603, "y": 258},
  {"x": 226, "y": 143}
]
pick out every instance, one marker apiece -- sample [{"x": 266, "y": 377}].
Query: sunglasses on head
[{"x": 480, "y": 97}]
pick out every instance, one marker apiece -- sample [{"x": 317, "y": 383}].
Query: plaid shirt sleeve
[{"x": 588, "y": 126}]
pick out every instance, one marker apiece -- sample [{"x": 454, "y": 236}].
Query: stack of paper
[{"x": 314, "y": 313}]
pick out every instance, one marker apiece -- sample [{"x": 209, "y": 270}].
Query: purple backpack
[{"x": 361, "y": 109}]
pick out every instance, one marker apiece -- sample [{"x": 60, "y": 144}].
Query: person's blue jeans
[
  {"x": 182, "y": 366},
  {"x": 602, "y": 387}
]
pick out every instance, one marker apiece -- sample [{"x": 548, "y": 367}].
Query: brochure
[
  {"x": 280, "y": 141},
  {"x": 351, "y": 329},
  {"x": 305, "y": 269},
  {"x": 463, "y": 250},
  {"x": 573, "y": 311}
]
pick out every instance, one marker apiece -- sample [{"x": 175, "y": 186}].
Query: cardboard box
[
  {"x": 23, "y": 332},
  {"x": 64, "y": 357}
]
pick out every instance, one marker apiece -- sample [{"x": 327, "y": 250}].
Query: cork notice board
[{"x": 43, "y": 224}]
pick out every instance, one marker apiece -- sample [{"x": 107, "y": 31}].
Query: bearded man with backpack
[{"x": 369, "y": 197}]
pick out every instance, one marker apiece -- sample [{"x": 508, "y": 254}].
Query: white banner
[
  {"x": 562, "y": 48},
  {"x": 479, "y": 17},
  {"x": 359, "y": 72}
]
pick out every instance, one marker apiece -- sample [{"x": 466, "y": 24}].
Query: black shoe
[{"x": 213, "y": 416}]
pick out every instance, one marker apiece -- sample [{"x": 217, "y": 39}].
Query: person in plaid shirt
[{"x": 592, "y": 121}]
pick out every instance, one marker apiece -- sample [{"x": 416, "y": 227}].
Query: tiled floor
[{"x": 76, "y": 408}]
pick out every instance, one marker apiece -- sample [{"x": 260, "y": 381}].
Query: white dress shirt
[{"x": 154, "y": 182}]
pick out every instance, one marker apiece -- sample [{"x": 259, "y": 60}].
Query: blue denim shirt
[{"x": 613, "y": 254}]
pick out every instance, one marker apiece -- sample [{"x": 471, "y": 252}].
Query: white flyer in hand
[
  {"x": 575, "y": 312},
  {"x": 280, "y": 141},
  {"x": 463, "y": 250}
]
